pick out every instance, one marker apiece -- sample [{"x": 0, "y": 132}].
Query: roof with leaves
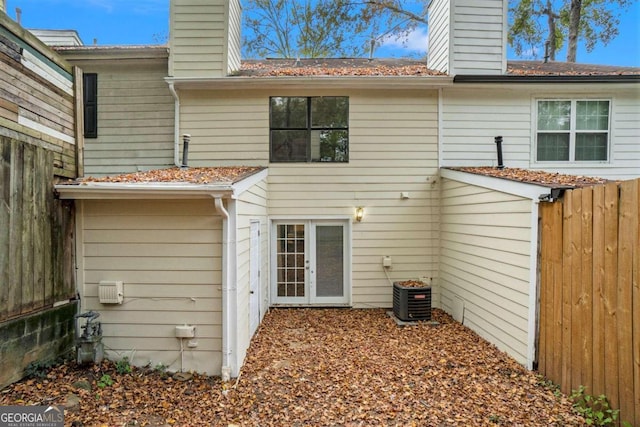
[
  {"x": 212, "y": 175},
  {"x": 335, "y": 67},
  {"x": 540, "y": 68},
  {"x": 547, "y": 179}
]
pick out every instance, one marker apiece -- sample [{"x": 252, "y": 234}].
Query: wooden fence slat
[
  {"x": 610, "y": 292},
  {"x": 556, "y": 255},
  {"x": 577, "y": 296},
  {"x": 599, "y": 338},
  {"x": 27, "y": 244},
  {"x": 626, "y": 230},
  {"x": 40, "y": 218},
  {"x": 5, "y": 214},
  {"x": 636, "y": 307},
  {"x": 566, "y": 295},
  {"x": 586, "y": 289},
  {"x": 14, "y": 300}
]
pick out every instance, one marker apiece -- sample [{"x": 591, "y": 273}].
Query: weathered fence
[
  {"x": 590, "y": 294},
  {"x": 36, "y": 232}
]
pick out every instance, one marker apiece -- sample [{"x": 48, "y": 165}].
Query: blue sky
[{"x": 147, "y": 21}]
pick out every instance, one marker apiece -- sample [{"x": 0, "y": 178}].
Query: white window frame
[{"x": 572, "y": 133}]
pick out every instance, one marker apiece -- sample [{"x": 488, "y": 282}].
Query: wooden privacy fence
[
  {"x": 36, "y": 232},
  {"x": 589, "y": 323}
]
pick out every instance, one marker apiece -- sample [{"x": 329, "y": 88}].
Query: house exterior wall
[
  {"x": 168, "y": 254},
  {"x": 135, "y": 118},
  {"x": 393, "y": 148},
  {"x": 485, "y": 263},
  {"x": 439, "y": 30},
  {"x": 204, "y": 38},
  {"x": 251, "y": 206},
  {"x": 474, "y": 114},
  {"x": 468, "y": 36}
]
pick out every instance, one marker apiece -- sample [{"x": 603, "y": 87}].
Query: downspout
[
  {"x": 533, "y": 285},
  {"x": 228, "y": 296},
  {"x": 440, "y": 127},
  {"x": 176, "y": 125}
]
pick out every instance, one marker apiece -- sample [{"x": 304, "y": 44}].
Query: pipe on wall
[{"x": 176, "y": 126}]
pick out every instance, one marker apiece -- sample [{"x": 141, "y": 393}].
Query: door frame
[
  {"x": 343, "y": 220},
  {"x": 255, "y": 271}
]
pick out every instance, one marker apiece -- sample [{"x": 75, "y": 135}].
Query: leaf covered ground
[{"x": 320, "y": 367}]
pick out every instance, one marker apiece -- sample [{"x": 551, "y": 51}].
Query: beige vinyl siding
[
  {"x": 439, "y": 26},
  {"x": 234, "y": 40},
  {"x": 485, "y": 262},
  {"x": 251, "y": 205},
  {"x": 393, "y": 148},
  {"x": 168, "y": 254},
  {"x": 479, "y": 37},
  {"x": 198, "y": 31},
  {"x": 135, "y": 120},
  {"x": 473, "y": 115}
]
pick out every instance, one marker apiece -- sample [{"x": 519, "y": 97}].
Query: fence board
[
  {"x": 610, "y": 292},
  {"x": 599, "y": 338},
  {"x": 5, "y": 215},
  {"x": 27, "y": 243},
  {"x": 636, "y": 307},
  {"x": 566, "y": 295},
  {"x": 590, "y": 304},
  {"x": 625, "y": 295},
  {"x": 586, "y": 302}
]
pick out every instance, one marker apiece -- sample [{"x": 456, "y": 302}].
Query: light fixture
[{"x": 359, "y": 213}]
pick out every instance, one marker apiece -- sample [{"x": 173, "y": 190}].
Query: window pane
[
  {"x": 288, "y": 145},
  {"x": 330, "y": 146},
  {"x": 554, "y": 115},
  {"x": 591, "y": 146},
  {"x": 592, "y": 115},
  {"x": 330, "y": 112},
  {"x": 553, "y": 146},
  {"x": 288, "y": 112}
]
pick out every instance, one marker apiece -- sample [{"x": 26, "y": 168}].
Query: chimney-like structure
[
  {"x": 468, "y": 37},
  {"x": 204, "y": 38}
]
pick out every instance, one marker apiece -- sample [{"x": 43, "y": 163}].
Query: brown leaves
[
  {"x": 535, "y": 176},
  {"x": 187, "y": 175},
  {"x": 327, "y": 367}
]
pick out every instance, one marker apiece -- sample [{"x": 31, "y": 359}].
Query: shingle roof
[
  {"x": 540, "y": 68},
  {"x": 212, "y": 175},
  {"x": 548, "y": 179},
  {"x": 335, "y": 67}
]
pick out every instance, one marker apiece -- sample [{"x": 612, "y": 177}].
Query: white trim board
[{"x": 522, "y": 189}]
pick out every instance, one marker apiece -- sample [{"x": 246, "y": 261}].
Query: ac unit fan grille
[{"x": 411, "y": 303}]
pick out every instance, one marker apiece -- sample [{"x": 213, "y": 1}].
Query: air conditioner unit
[
  {"x": 411, "y": 303},
  {"x": 110, "y": 292}
]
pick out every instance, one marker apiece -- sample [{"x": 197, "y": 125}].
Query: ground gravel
[{"x": 321, "y": 367}]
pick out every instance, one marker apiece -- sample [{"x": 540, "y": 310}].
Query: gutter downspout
[
  {"x": 226, "y": 300},
  {"x": 532, "y": 324},
  {"x": 176, "y": 125}
]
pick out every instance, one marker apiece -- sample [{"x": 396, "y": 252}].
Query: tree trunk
[
  {"x": 551, "y": 23},
  {"x": 574, "y": 28}
]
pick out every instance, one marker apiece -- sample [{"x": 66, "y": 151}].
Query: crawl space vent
[{"x": 110, "y": 292}]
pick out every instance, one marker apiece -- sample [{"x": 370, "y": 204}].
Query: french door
[{"x": 311, "y": 262}]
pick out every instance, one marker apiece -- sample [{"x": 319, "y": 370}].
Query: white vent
[{"x": 110, "y": 292}]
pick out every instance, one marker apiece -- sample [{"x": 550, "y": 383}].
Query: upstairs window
[
  {"x": 90, "y": 104},
  {"x": 572, "y": 130},
  {"x": 309, "y": 129}
]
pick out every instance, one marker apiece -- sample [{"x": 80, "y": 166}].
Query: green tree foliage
[
  {"x": 534, "y": 23},
  {"x": 324, "y": 28}
]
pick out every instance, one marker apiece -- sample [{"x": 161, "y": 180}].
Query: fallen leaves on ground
[{"x": 323, "y": 367}]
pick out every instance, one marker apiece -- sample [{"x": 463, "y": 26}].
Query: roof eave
[
  {"x": 617, "y": 78},
  {"x": 131, "y": 191},
  {"x": 312, "y": 82}
]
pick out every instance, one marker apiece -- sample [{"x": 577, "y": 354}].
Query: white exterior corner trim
[
  {"x": 533, "y": 286},
  {"x": 522, "y": 189}
]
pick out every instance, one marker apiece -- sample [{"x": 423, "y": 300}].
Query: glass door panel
[
  {"x": 329, "y": 271},
  {"x": 291, "y": 261}
]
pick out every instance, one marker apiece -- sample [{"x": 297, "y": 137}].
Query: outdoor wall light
[{"x": 359, "y": 213}]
